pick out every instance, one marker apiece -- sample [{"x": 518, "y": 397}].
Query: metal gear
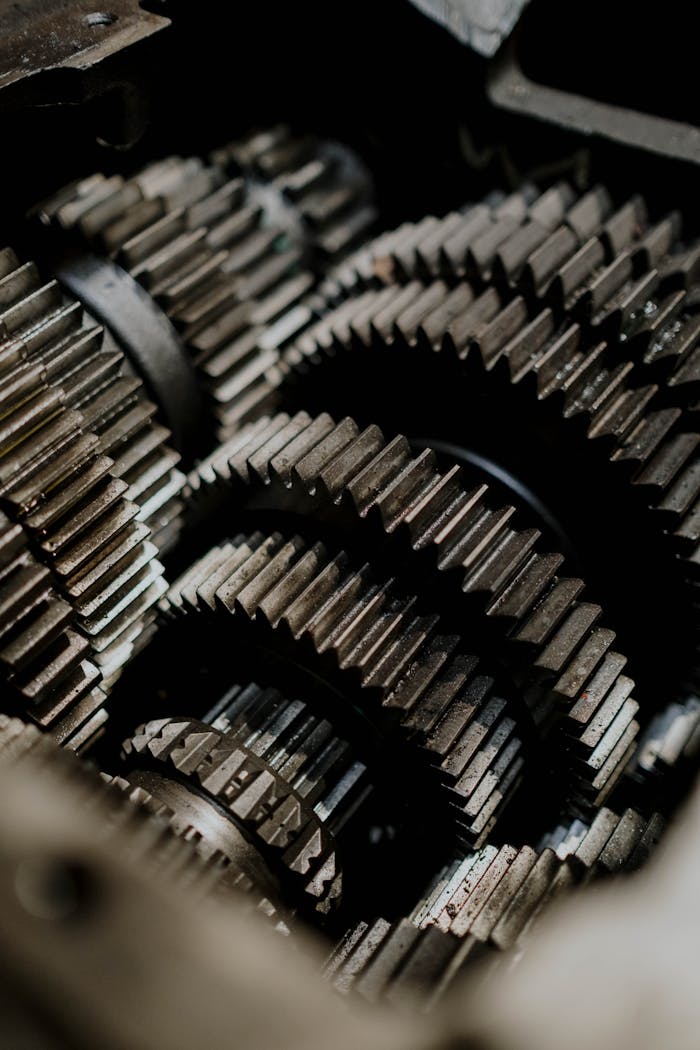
[
  {"x": 484, "y": 904},
  {"x": 454, "y": 348},
  {"x": 288, "y": 819},
  {"x": 142, "y": 836},
  {"x": 389, "y": 657},
  {"x": 65, "y": 408},
  {"x": 492, "y": 572},
  {"x": 223, "y": 253}
]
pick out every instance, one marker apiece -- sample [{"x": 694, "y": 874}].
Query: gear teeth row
[
  {"x": 55, "y": 476},
  {"x": 45, "y": 662},
  {"x": 52, "y": 333},
  {"x": 223, "y": 255},
  {"x": 233, "y": 877},
  {"x": 622, "y": 278},
  {"x": 141, "y": 836},
  {"x": 486, "y": 903},
  {"x": 412, "y": 678},
  {"x": 299, "y": 745},
  {"x": 284, "y": 819},
  {"x": 554, "y": 640}
]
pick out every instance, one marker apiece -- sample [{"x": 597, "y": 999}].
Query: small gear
[
  {"x": 226, "y": 248},
  {"x": 141, "y": 836},
  {"x": 284, "y": 818}
]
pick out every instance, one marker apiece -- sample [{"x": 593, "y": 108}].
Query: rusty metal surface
[{"x": 37, "y": 36}]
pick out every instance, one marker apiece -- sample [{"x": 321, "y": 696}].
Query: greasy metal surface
[
  {"x": 41, "y": 35},
  {"x": 509, "y": 88}
]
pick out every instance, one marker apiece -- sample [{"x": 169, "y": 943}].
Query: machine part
[
  {"x": 77, "y": 447},
  {"x": 52, "y": 53},
  {"x": 144, "y": 838},
  {"x": 510, "y": 88},
  {"x": 425, "y": 521},
  {"x": 44, "y": 660},
  {"x": 387, "y": 656},
  {"x": 483, "y": 26},
  {"x": 224, "y": 248},
  {"x": 151, "y": 829},
  {"x": 145, "y": 335},
  {"x": 488, "y": 902},
  {"x": 669, "y": 741},
  {"x": 468, "y": 359},
  {"x": 593, "y": 945},
  {"x": 274, "y": 812}
]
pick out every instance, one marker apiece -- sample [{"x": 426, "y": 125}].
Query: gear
[
  {"x": 142, "y": 836},
  {"x": 224, "y": 253},
  {"x": 388, "y": 657},
  {"x": 283, "y": 821},
  {"x": 566, "y": 395},
  {"x": 486, "y": 902},
  {"x": 423, "y": 518}
]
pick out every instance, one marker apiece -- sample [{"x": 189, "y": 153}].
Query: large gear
[{"x": 549, "y": 372}]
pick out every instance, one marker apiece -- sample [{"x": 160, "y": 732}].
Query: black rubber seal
[{"x": 150, "y": 341}]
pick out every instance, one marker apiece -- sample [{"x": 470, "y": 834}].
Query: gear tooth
[
  {"x": 663, "y": 468},
  {"x": 299, "y": 614},
  {"x": 430, "y": 331},
  {"x": 345, "y": 602},
  {"x": 346, "y": 464},
  {"x": 282, "y": 596},
  {"x": 405, "y": 490},
  {"x": 246, "y": 570},
  {"x": 360, "y": 327},
  {"x": 258, "y": 438},
  {"x": 308, "y": 469},
  {"x": 382, "y": 325},
  {"x": 497, "y": 569},
  {"x": 522, "y": 592},
  {"x": 491, "y": 336},
  {"x": 391, "y": 664},
  {"x": 259, "y": 461},
  {"x": 543, "y": 617},
  {"x": 191, "y": 752},
  {"x": 368, "y": 484},
  {"x": 475, "y": 533},
  {"x": 144, "y": 734},
  {"x": 284, "y": 462},
  {"x": 252, "y": 596},
  {"x": 568, "y": 636},
  {"x": 408, "y": 321}
]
